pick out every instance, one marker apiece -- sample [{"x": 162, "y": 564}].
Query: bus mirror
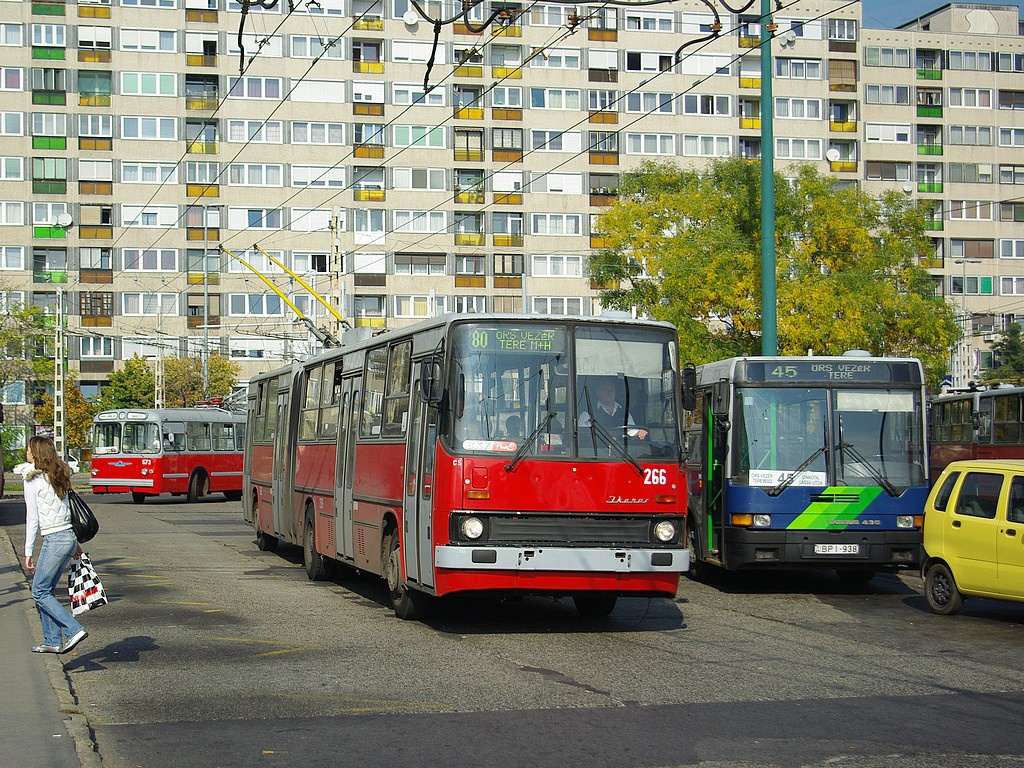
[
  {"x": 720, "y": 399},
  {"x": 689, "y": 385},
  {"x": 431, "y": 384}
]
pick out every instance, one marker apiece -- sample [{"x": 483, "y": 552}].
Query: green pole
[{"x": 769, "y": 324}]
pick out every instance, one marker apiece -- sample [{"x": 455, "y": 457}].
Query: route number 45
[
  {"x": 784, "y": 372},
  {"x": 655, "y": 477}
]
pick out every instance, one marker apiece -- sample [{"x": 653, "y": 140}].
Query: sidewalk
[{"x": 43, "y": 726}]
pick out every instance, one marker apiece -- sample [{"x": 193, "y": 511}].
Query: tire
[
  {"x": 138, "y": 497},
  {"x": 233, "y": 495},
  {"x": 940, "y": 590},
  {"x": 593, "y": 605},
  {"x": 197, "y": 486},
  {"x": 697, "y": 568},
  {"x": 311, "y": 559},
  {"x": 854, "y": 577},
  {"x": 407, "y": 604},
  {"x": 264, "y": 541}
]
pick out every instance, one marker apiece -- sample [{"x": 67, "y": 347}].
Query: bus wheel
[
  {"x": 940, "y": 590},
  {"x": 407, "y": 605},
  {"x": 233, "y": 495},
  {"x": 197, "y": 486},
  {"x": 311, "y": 559},
  {"x": 264, "y": 541},
  {"x": 137, "y": 497},
  {"x": 854, "y": 576},
  {"x": 594, "y": 604},
  {"x": 697, "y": 568}
]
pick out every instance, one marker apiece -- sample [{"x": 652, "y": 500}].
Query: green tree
[
  {"x": 1009, "y": 353},
  {"x": 183, "y": 379},
  {"x": 684, "y": 246},
  {"x": 78, "y": 413},
  {"x": 131, "y": 387},
  {"x": 22, "y": 333}
]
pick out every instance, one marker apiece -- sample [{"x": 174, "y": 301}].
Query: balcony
[
  {"x": 50, "y": 98},
  {"x": 48, "y": 54},
  {"x": 469, "y": 238},
  {"x": 202, "y": 233},
  {"x": 512, "y": 30},
  {"x": 930, "y": 187},
  {"x": 603, "y": 198},
  {"x": 93, "y": 11},
  {"x": 375, "y": 151},
  {"x": 201, "y": 102},
  {"x": 929, "y": 111},
  {"x": 202, "y": 190},
  {"x": 750, "y": 123},
  {"x": 102, "y": 276},
  {"x": 93, "y": 100},
  {"x": 750, "y": 82},
  {"x": 97, "y": 321},
  {"x": 369, "y": 24},
  {"x": 600, "y": 241},
  {"x": 603, "y": 75},
  {"x": 461, "y": 28},
  {"x": 370, "y": 322},
  {"x": 508, "y": 240},
  {"x": 95, "y": 232},
  {"x": 508, "y": 198},
  {"x": 933, "y": 225},
  {"x": 52, "y": 143},
  {"x": 472, "y": 196},
  {"x": 368, "y": 67},
  {"x": 603, "y": 117},
  {"x": 95, "y": 57},
  {"x": 929, "y": 149},
  {"x": 929, "y": 73},
  {"x": 369, "y": 195},
  {"x": 201, "y": 59},
  {"x": 468, "y": 113},
  {"x": 95, "y": 188},
  {"x": 49, "y": 233},
  {"x": 469, "y": 70},
  {"x": 49, "y": 276},
  {"x": 507, "y": 73},
  {"x": 843, "y": 126},
  {"x": 201, "y": 15},
  {"x": 468, "y": 155},
  {"x": 46, "y": 187},
  {"x": 372, "y": 110},
  {"x": 603, "y": 35},
  {"x": 747, "y": 41},
  {"x": 842, "y": 46},
  {"x": 95, "y": 145},
  {"x": 503, "y": 113},
  {"x": 470, "y": 281},
  {"x": 604, "y": 158},
  {"x": 843, "y": 166},
  {"x": 201, "y": 278},
  {"x": 52, "y": 8},
  {"x": 198, "y": 321},
  {"x": 203, "y": 147},
  {"x": 507, "y": 155}
]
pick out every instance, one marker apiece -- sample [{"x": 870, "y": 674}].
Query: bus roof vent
[{"x": 856, "y": 353}]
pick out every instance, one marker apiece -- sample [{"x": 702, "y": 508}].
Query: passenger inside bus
[{"x": 514, "y": 427}]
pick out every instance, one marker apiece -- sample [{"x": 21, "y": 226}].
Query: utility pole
[
  {"x": 769, "y": 321},
  {"x": 206, "y": 305},
  {"x": 58, "y": 376}
]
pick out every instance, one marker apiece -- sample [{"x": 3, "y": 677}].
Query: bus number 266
[{"x": 655, "y": 476}]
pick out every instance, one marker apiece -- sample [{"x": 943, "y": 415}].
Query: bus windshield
[
  {"x": 530, "y": 390},
  {"x": 842, "y": 437},
  {"x": 141, "y": 437}
]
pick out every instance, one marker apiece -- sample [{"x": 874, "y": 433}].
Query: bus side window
[
  {"x": 223, "y": 437},
  {"x": 311, "y": 404},
  {"x": 373, "y": 392},
  {"x": 240, "y": 436},
  {"x": 330, "y": 392},
  {"x": 396, "y": 404},
  {"x": 198, "y": 435}
]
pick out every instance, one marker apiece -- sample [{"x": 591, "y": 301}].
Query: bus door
[
  {"x": 344, "y": 472},
  {"x": 417, "y": 546},
  {"x": 280, "y": 484},
  {"x": 716, "y": 459}
]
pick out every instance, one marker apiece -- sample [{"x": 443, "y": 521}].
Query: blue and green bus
[{"x": 808, "y": 462}]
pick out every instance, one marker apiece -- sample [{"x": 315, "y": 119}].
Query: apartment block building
[{"x": 150, "y": 147}]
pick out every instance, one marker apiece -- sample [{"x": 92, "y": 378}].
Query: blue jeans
[{"x": 54, "y": 556}]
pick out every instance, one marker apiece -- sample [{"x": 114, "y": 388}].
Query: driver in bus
[{"x": 609, "y": 413}]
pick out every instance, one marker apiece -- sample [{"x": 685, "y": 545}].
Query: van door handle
[
  {"x": 956, "y": 523},
  {"x": 1011, "y": 531}
]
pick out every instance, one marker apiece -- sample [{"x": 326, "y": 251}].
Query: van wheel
[
  {"x": 407, "y": 603},
  {"x": 311, "y": 559},
  {"x": 940, "y": 590}
]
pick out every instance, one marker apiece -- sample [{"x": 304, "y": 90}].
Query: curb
[{"x": 77, "y": 724}]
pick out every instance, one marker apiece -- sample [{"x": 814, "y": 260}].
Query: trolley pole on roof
[{"x": 769, "y": 323}]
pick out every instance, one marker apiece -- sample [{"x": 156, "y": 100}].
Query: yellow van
[{"x": 974, "y": 534}]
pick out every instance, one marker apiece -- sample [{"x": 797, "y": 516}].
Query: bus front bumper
[
  {"x": 562, "y": 559},
  {"x": 746, "y": 548}
]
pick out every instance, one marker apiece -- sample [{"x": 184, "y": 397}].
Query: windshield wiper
[
  {"x": 528, "y": 442},
  {"x": 597, "y": 429},
  {"x": 788, "y": 479},
  {"x": 876, "y": 474}
]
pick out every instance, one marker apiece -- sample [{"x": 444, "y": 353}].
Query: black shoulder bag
[{"x": 82, "y": 519}]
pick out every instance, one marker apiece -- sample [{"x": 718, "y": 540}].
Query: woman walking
[{"x": 47, "y": 480}]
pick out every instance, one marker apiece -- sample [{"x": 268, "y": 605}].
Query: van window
[
  {"x": 979, "y": 495},
  {"x": 1015, "y": 512},
  {"x": 942, "y": 498}
]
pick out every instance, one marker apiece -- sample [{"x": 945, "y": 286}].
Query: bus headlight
[
  {"x": 904, "y": 521},
  {"x": 472, "y": 528},
  {"x": 665, "y": 531},
  {"x": 762, "y": 521}
]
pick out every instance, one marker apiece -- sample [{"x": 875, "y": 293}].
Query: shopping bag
[
  {"x": 84, "y": 586},
  {"x": 83, "y": 520}
]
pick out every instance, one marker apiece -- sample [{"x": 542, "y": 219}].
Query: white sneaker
[{"x": 74, "y": 640}]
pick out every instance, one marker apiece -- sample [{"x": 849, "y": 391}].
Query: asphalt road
[{"x": 212, "y": 653}]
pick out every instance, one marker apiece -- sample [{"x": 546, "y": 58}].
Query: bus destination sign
[
  {"x": 830, "y": 370},
  {"x": 522, "y": 339}
]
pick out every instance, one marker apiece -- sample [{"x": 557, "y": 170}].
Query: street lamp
[{"x": 963, "y": 370}]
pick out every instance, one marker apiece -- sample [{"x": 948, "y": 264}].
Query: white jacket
[{"x": 45, "y": 512}]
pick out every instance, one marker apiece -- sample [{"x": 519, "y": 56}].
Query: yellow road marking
[{"x": 288, "y": 647}]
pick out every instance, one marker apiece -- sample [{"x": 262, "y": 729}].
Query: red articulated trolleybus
[
  {"x": 976, "y": 424},
  {"x": 504, "y": 453},
  {"x": 182, "y": 451}
]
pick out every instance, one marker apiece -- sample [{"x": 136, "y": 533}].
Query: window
[
  {"x": 49, "y": 169},
  {"x": 1011, "y": 211},
  {"x": 149, "y": 304},
  {"x": 152, "y": 40},
  {"x": 556, "y": 224},
  {"x": 798, "y": 69},
  {"x": 558, "y": 183},
  {"x": 318, "y": 91},
  {"x": 311, "y": 219},
  {"x": 255, "y": 175},
  {"x": 150, "y": 259},
  {"x": 259, "y": 260},
  {"x": 598, "y": 101},
  {"x": 254, "y": 218},
  {"x": 368, "y": 93},
  {"x": 11, "y": 34},
  {"x": 1011, "y": 62},
  {"x": 800, "y": 109},
  {"x": 557, "y": 266},
  {"x": 419, "y": 306},
  {"x": 409, "y": 94},
  {"x": 548, "y": 15},
  {"x": 97, "y": 346},
  {"x": 974, "y": 286},
  {"x": 318, "y": 176},
  {"x": 368, "y": 224},
  {"x": 254, "y": 88},
  {"x": 1011, "y": 286},
  {"x": 648, "y": 61},
  {"x": 419, "y": 136},
  {"x": 420, "y": 221},
  {"x": 704, "y": 105},
  {"x": 12, "y": 168},
  {"x": 367, "y": 133},
  {"x": 309, "y": 262},
  {"x": 1011, "y": 249},
  {"x": 555, "y": 98},
  {"x": 650, "y": 143},
  {"x": 432, "y": 179},
  {"x": 95, "y": 126},
  {"x": 420, "y": 264},
  {"x": 48, "y": 35},
  {"x": 47, "y": 213},
  {"x": 12, "y": 213},
  {"x": 315, "y": 47},
  {"x": 557, "y": 305},
  {"x": 1011, "y": 99},
  {"x": 148, "y": 173},
  {"x": 93, "y": 38},
  {"x": 556, "y": 58},
  {"x": 971, "y": 173},
  {"x": 255, "y": 305},
  {"x": 148, "y": 84},
  {"x": 706, "y": 146},
  {"x": 368, "y": 306},
  {"x": 149, "y": 128},
  {"x": 318, "y": 133},
  {"x": 971, "y": 249},
  {"x": 508, "y": 264},
  {"x": 12, "y": 257},
  {"x": 556, "y": 141},
  {"x": 49, "y": 124},
  {"x": 202, "y": 173},
  {"x": 416, "y": 52},
  {"x": 887, "y": 133},
  {"x": 163, "y": 216},
  {"x": 971, "y": 135},
  {"x": 1011, "y": 137},
  {"x": 970, "y": 209},
  {"x": 842, "y": 29},
  {"x": 256, "y": 131},
  {"x": 980, "y": 61},
  {"x": 11, "y": 124},
  {"x": 470, "y": 304},
  {"x": 877, "y": 171},
  {"x": 506, "y": 96},
  {"x": 507, "y": 223},
  {"x": 506, "y": 55},
  {"x": 970, "y": 97},
  {"x": 10, "y": 79},
  {"x": 875, "y": 56},
  {"x": 507, "y": 138},
  {"x": 94, "y": 258},
  {"x": 650, "y": 21},
  {"x": 887, "y": 94},
  {"x": 1011, "y": 174}
]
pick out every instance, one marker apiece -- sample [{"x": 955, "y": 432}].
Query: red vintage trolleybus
[
  {"x": 976, "y": 424},
  {"x": 181, "y": 451},
  {"x": 460, "y": 455}
]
